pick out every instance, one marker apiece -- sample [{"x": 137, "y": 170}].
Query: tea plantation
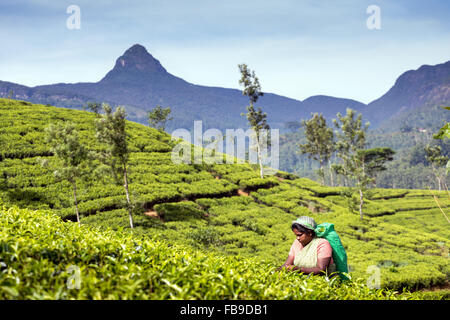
[
  {"x": 40, "y": 255},
  {"x": 201, "y": 230}
]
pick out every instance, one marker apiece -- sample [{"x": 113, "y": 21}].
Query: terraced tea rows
[
  {"x": 71, "y": 262},
  {"x": 225, "y": 209}
]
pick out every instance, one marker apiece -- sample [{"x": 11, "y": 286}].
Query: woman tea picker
[{"x": 309, "y": 254}]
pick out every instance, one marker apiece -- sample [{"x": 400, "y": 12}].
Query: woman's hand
[
  {"x": 290, "y": 267},
  {"x": 281, "y": 267},
  {"x": 289, "y": 262},
  {"x": 294, "y": 268}
]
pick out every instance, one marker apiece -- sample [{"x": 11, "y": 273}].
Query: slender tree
[
  {"x": 256, "y": 118},
  {"x": 94, "y": 107},
  {"x": 338, "y": 169},
  {"x": 158, "y": 117},
  {"x": 375, "y": 160},
  {"x": 438, "y": 161},
  {"x": 111, "y": 131},
  {"x": 65, "y": 145},
  {"x": 320, "y": 142},
  {"x": 352, "y": 139}
]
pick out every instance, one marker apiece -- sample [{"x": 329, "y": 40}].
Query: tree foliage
[
  {"x": 438, "y": 161},
  {"x": 94, "y": 107},
  {"x": 256, "y": 118},
  {"x": 351, "y": 140},
  {"x": 252, "y": 87},
  {"x": 444, "y": 133},
  {"x": 111, "y": 131},
  {"x": 158, "y": 117},
  {"x": 320, "y": 141},
  {"x": 65, "y": 145},
  {"x": 375, "y": 159}
]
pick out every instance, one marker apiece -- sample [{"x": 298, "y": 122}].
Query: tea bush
[
  {"x": 199, "y": 204},
  {"x": 179, "y": 211},
  {"x": 118, "y": 265}
]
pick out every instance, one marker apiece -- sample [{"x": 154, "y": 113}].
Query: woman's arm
[
  {"x": 288, "y": 263},
  {"x": 322, "y": 264}
]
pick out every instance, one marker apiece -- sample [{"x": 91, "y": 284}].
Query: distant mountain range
[
  {"x": 426, "y": 86},
  {"x": 139, "y": 82}
]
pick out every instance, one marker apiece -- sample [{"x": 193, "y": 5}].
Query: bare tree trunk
[
  {"x": 76, "y": 202},
  {"x": 436, "y": 174},
  {"x": 331, "y": 175},
  {"x": 261, "y": 170},
  {"x": 128, "y": 195},
  {"x": 322, "y": 173},
  {"x": 361, "y": 202}
]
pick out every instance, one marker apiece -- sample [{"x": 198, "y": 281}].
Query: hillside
[
  {"x": 426, "y": 86},
  {"x": 116, "y": 265},
  {"x": 139, "y": 82},
  {"x": 427, "y": 117},
  {"x": 226, "y": 210}
]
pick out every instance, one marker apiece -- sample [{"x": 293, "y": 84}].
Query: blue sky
[{"x": 297, "y": 48}]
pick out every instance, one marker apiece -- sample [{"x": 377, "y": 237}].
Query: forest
[{"x": 408, "y": 135}]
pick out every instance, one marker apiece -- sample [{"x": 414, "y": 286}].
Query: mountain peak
[
  {"x": 137, "y": 57},
  {"x": 138, "y": 52},
  {"x": 137, "y": 63},
  {"x": 136, "y": 48}
]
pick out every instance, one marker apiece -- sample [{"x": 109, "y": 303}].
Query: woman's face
[{"x": 302, "y": 237}]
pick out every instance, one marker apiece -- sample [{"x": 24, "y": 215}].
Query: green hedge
[{"x": 179, "y": 211}]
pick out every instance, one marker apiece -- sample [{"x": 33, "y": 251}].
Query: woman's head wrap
[{"x": 307, "y": 222}]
